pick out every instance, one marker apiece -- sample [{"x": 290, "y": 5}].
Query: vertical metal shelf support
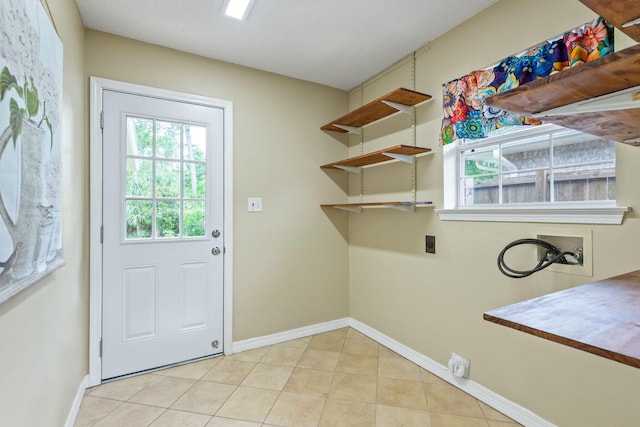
[
  {"x": 414, "y": 167},
  {"x": 361, "y": 146}
]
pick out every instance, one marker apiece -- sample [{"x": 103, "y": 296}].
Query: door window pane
[
  {"x": 195, "y": 146},
  {"x": 194, "y": 219},
  {"x": 167, "y": 179},
  {"x": 167, "y": 219},
  {"x": 139, "y": 137},
  {"x": 139, "y": 219},
  {"x": 168, "y": 139},
  {"x": 194, "y": 180},
  {"x": 139, "y": 178}
]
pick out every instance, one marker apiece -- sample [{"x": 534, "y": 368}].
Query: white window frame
[{"x": 591, "y": 212}]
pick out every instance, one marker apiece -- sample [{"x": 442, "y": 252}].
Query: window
[
  {"x": 557, "y": 166},
  {"x": 540, "y": 169},
  {"x": 165, "y": 179}
]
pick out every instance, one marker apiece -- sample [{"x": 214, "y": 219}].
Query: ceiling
[{"x": 338, "y": 43}]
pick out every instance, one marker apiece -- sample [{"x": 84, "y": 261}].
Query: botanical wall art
[{"x": 30, "y": 173}]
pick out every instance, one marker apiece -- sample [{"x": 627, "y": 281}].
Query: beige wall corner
[
  {"x": 434, "y": 303},
  {"x": 44, "y": 329},
  {"x": 291, "y": 260}
]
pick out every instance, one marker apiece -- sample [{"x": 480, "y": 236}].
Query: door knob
[
  {"x": 215, "y": 251},
  {"x": 215, "y": 233}
]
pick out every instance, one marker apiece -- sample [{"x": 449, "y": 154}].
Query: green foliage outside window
[
  {"x": 471, "y": 169},
  {"x": 169, "y": 168}
]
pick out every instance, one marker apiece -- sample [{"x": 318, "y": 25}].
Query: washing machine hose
[{"x": 551, "y": 256}]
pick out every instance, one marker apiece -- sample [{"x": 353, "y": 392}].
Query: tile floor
[{"x": 338, "y": 378}]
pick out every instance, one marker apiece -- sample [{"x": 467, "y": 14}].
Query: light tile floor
[{"x": 338, "y": 378}]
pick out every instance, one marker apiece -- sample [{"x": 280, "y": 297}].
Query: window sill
[{"x": 552, "y": 214}]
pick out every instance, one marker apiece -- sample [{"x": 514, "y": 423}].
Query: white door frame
[{"x": 97, "y": 86}]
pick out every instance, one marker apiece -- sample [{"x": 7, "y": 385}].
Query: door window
[{"x": 165, "y": 179}]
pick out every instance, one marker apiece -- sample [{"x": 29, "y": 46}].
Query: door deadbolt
[
  {"x": 215, "y": 233},
  {"x": 215, "y": 251}
]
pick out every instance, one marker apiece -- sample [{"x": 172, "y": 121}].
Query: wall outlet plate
[
  {"x": 430, "y": 244},
  {"x": 459, "y": 366},
  {"x": 255, "y": 204}
]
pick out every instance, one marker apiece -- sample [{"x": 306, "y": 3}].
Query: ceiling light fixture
[{"x": 238, "y": 9}]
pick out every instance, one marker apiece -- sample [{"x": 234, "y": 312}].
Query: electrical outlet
[
  {"x": 255, "y": 204},
  {"x": 459, "y": 366},
  {"x": 430, "y": 244}
]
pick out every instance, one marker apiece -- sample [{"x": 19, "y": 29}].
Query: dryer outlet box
[
  {"x": 577, "y": 240},
  {"x": 430, "y": 244}
]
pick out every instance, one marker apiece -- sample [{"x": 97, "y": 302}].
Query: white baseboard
[
  {"x": 77, "y": 401},
  {"x": 496, "y": 401},
  {"x": 292, "y": 334}
]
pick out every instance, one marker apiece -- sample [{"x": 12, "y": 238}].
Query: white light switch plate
[{"x": 255, "y": 204}]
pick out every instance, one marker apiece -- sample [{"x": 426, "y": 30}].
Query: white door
[{"x": 162, "y": 232}]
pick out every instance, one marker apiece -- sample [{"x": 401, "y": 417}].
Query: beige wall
[
  {"x": 434, "y": 303},
  {"x": 44, "y": 329},
  {"x": 291, "y": 260},
  {"x": 296, "y": 264}
]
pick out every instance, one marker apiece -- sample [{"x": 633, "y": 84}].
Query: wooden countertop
[{"x": 602, "y": 317}]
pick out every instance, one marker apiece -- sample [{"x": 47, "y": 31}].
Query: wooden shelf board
[
  {"x": 375, "y": 204},
  {"x": 620, "y": 125},
  {"x": 611, "y": 73},
  {"x": 618, "y": 12},
  {"x": 601, "y": 318},
  {"x": 376, "y": 110},
  {"x": 377, "y": 156}
]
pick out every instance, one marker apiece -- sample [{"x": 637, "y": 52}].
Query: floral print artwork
[
  {"x": 31, "y": 59},
  {"x": 465, "y": 114}
]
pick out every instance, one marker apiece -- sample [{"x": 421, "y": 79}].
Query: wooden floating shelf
[
  {"x": 612, "y": 73},
  {"x": 405, "y": 153},
  {"x": 618, "y": 13},
  {"x": 399, "y": 100},
  {"x": 357, "y": 207},
  {"x": 601, "y": 318}
]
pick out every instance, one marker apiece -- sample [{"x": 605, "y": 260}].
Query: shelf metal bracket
[
  {"x": 402, "y": 157},
  {"x": 402, "y": 208},
  {"x": 354, "y": 209},
  {"x": 406, "y": 109},
  {"x": 350, "y": 129},
  {"x": 351, "y": 169},
  {"x": 631, "y": 23},
  {"x": 620, "y": 100}
]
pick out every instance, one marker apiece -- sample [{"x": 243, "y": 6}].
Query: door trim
[{"x": 97, "y": 86}]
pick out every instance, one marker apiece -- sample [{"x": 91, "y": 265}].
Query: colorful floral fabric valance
[{"x": 466, "y": 116}]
